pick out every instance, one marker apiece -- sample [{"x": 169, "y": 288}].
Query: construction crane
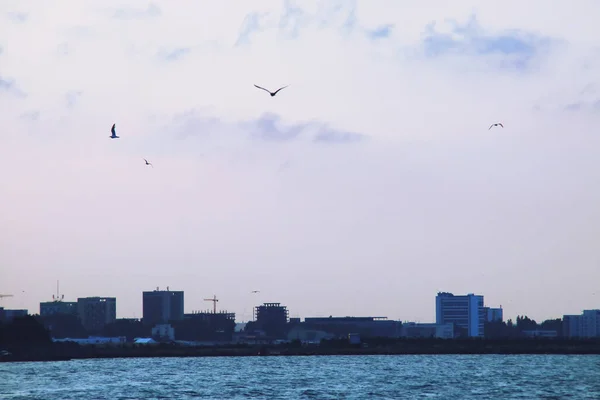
[
  {"x": 5, "y": 295},
  {"x": 214, "y": 300}
]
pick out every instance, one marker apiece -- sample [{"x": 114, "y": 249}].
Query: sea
[{"x": 308, "y": 377}]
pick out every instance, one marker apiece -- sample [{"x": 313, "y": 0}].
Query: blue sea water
[{"x": 314, "y": 377}]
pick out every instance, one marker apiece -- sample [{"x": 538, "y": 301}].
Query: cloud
[
  {"x": 31, "y": 116},
  {"x": 385, "y": 122},
  {"x": 328, "y": 135},
  {"x": 72, "y": 97},
  {"x": 135, "y": 13},
  {"x": 18, "y": 17},
  {"x": 9, "y": 85},
  {"x": 381, "y": 32},
  {"x": 515, "y": 48},
  {"x": 268, "y": 127},
  {"x": 173, "y": 55}
]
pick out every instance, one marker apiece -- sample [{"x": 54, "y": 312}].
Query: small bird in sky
[
  {"x": 498, "y": 124},
  {"x": 256, "y": 291},
  {"x": 114, "y": 133},
  {"x": 271, "y": 93},
  {"x": 147, "y": 163}
]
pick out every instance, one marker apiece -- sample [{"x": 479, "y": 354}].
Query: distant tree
[
  {"x": 524, "y": 323},
  {"x": 500, "y": 330},
  {"x": 64, "y": 326},
  {"x": 552, "y": 325},
  {"x": 24, "y": 330}
]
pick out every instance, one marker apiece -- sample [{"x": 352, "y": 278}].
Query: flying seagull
[
  {"x": 256, "y": 291},
  {"x": 114, "y": 133},
  {"x": 498, "y": 124},
  {"x": 147, "y": 163},
  {"x": 268, "y": 91}
]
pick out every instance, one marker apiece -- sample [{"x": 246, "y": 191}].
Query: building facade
[
  {"x": 427, "y": 330},
  {"x": 493, "y": 314},
  {"x": 7, "y": 316},
  {"x": 96, "y": 312},
  {"x": 58, "y": 307},
  {"x": 162, "y": 306},
  {"x": 272, "y": 318},
  {"x": 584, "y": 325},
  {"x": 466, "y": 312}
]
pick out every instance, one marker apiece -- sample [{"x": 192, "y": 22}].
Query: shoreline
[{"x": 71, "y": 351}]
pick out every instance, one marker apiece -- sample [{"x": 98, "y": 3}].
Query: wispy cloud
[
  {"x": 252, "y": 23},
  {"x": 133, "y": 13},
  {"x": 328, "y": 135},
  {"x": 10, "y": 86},
  {"x": 381, "y": 32},
  {"x": 173, "y": 54},
  {"x": 18, "y": 17},
  {"x": 31, "y": 116},
  {"x": 71, "y": 97},
  {"x": 292, "y": 20},
  {"x": 516, "y": 48},
  {"x": 270, "y": 127}
]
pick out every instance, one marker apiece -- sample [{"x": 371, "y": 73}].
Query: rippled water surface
[{"x": 319, "y": 377}]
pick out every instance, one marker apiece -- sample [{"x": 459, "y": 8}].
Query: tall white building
[{"x": 465, "y": 311}]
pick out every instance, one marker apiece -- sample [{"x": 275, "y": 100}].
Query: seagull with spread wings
[
  {"x": 498, "y": 124},
  {"x": 147, "y": 163},
  {"x": 271, "y": 93}
]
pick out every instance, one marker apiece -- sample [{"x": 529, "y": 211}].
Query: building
[
  {"x": 365, "y": 326},
  {"x": 466, "y": 312},
  {"x": 7, "y": 316},
  {"x": 585, "y": 325},
  {"x": 58, "y": 307},
  {"x": 590, "y": 323},
  {"x": 493, "y": 314},
  {"x": 163, "y": 332},
  {"x": 571, "y": 326},
  {"x": 427, "y": 330},
  {"x": 162, "y": 306},
  {"x": 547, "y": 333},
  {"x": 272, "y": 318},
  {"x": 96, "y": 312}
]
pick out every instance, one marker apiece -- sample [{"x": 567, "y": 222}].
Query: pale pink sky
[{"x": 407, "y": 194}]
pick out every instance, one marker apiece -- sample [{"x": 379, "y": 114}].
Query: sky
[{"x": 368, "y": 185}]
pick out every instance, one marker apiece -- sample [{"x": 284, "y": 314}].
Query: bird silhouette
[
  {"x": 113, "y": 132},
  {"x": 498, "y": 124},
  {"x": 271, "y": 93},
  {"x": 256, "y": 291},
  {"x": 147, "y": 163}
]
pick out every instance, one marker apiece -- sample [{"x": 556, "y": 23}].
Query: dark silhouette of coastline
[{"x": 26, "y": 339}]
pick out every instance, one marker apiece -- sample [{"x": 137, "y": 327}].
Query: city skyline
[
  {"x": 368, "y": 185},
  {"x": 482, "y": 308}
]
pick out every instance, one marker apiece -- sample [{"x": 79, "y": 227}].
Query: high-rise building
[
  {"x": 272, "y": 318},
  {"x": 465, "y": 311},
  {"x": 162, "y": 306},
  {"x": 96, "y": 312}
]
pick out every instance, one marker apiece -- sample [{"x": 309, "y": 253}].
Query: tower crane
[
  {"x": 214, "y": 300},
  {"x": 5, "y": 295}
]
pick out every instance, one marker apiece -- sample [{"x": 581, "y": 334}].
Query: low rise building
[{"x": 427, "y": 330}]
